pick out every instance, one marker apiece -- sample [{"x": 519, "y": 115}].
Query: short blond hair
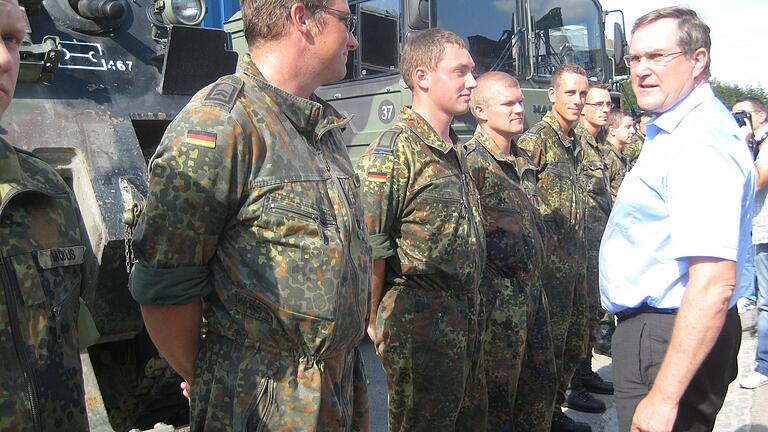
[
  {"x": 480, "y": 94},
  {"x": 426, "y": 49},
  {"x": 563, "y": 69}
]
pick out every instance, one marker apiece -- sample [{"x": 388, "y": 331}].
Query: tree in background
[{"x": 727, "y": 92}]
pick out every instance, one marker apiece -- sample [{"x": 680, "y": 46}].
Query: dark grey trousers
[{"x": 638, "y": 348}]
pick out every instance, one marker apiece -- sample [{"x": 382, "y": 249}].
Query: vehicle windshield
[
  {"x": 567, "y": 31},
  {"x": 488, "y": 29},
  {"x": 564, "y": 31}
]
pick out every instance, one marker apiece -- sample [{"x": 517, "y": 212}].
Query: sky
[{"x": 739, "y": 32}]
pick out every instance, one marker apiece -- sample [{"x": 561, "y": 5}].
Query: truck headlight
[{"x": 184, "y": 12}]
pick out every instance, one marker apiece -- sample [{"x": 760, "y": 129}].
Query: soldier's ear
[
  {"x": 551, "y": 94},
  {"x": 479, "y": 112},
  {"x": 421, "y": 78},
  {"x": 300, "y": 18}
]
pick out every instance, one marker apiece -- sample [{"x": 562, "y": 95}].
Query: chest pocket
[
  {"x": 593, "y": 174},
  {"x": 49, "y": 277},
  {"x": 48, "y": 285}
]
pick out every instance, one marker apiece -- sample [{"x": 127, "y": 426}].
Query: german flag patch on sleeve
[
  {"x": 201, "y": 138},
  {"x": 378, "y": 177}
]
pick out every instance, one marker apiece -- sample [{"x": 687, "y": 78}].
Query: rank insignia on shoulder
[
  {"x": 378, "y": 177},
  {"x": 383, "y": 150},
  {"x": 201, "y": 138}
]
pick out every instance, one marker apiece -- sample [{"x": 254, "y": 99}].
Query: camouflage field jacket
[
  {"x": 556, "y": 154},
  {"x": 253, "y": 205},
  {"x": 41, "y": 257},
  {"x": 513, "y": 226},
  {"x": 422, "y": 209},
  {"x": 617, "y": 167}
]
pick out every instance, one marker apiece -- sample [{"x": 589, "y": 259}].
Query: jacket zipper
[
  {"x": 350, "y": 261},
  {"x": 29, "y": 376},
  {"x": 304, "y": 214}
]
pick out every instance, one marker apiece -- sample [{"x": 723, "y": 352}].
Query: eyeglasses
[
  {"x": 348, "y": 19},
  {"x": 656, "y": 59},
  {"x": 598, "y": 105}
]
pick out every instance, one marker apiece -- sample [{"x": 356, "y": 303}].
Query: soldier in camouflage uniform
[
  {"x": 517, "y": 345},
  {"x": 553, "y": 147},
  {"x": 594, "y": 177},
  {"x": 619, "y": 133},
  {"x": 426, "y": 230},
  {"x": 41, "y": 255},
  {"x": 254, "y": 212},
  {"x": 632, "y": 150}
]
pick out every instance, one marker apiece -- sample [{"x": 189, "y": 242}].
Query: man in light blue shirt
[{"x": 677, "y": 236}]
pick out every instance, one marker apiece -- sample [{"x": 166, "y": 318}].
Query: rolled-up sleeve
[
  {"x": 195, "y": 184},
  {"x": 383, "y": 191}
]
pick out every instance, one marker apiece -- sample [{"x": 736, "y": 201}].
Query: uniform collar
[
  {"x": 14, "y": 179},
  {"x": 670, "y": 119},
  {"x": 10, "y": 170},
  {"x": 518, "y": 158},
  {"x": 585, "y": 136},
  {"x": 425, "y": 132},
  {"x": 565, "y": 138},
  {"x": 306, "y": 115},
  {"x": 618, "y": 154}
]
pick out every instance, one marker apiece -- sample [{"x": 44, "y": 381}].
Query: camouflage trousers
[
  {"x": 595, "y": 312},
  {"x": 566, "y": 291},
  {"x": 431, "y": 350},
  {"x": 518, "y": 356},
  {"x": 243, "y": 387}
]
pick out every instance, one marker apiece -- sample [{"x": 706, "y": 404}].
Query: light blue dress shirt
[{"x": 689, "y": 195}]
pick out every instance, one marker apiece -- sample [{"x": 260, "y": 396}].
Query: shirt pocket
[
  {"x": 49, "y": 283},
  {"x": 594, "y": 177}
]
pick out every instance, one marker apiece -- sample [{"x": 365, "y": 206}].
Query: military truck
[
  {"x": 99, "y": 82},
  {"x": 526, "y": 38}
]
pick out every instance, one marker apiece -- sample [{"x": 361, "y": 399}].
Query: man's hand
[
  {"x": 372, "y": 335},
  {"x": 186, "y": 390},
  {"x": 654, "y": 414}
]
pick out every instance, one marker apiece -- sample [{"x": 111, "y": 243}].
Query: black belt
[{"x": 643, "y": 308}]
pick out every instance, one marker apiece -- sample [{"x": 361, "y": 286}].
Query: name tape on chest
[{"x": 60, "y": 257}]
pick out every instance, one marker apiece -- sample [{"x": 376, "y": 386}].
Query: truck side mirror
[
  {"x": 418, "y": 14},
  {"x": 619, "y": 44}
]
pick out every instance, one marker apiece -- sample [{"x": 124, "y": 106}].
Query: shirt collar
[
  {"x": 565, "y": 138},
  {"x": 425, "y": 131},
  {"x": 306, "y": 115},
  {"x": 583, "y": 133},
  {"x": 10, "y": 170},
  {"x": 671, "y": 118},
  {"x": 518, "y": 158},
  {"x": 13, "y": 177}
]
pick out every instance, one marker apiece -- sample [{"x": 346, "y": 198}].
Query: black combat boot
[
  {"x": 580, "y": 399},
  {"x": 594, "y": 383},
  {"x": 563, "y": 423},
  {"x": 586, "y": 378}
]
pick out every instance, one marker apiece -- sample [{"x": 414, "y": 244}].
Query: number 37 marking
[{"x": 386, "y": 111}]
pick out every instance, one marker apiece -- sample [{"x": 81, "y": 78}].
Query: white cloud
[{"x": 739, "y": 41}]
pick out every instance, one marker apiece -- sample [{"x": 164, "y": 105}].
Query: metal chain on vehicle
[{"x": 130, "y": 220}]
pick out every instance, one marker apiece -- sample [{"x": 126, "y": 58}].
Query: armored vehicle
[{"x": 99, "y": 82}]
